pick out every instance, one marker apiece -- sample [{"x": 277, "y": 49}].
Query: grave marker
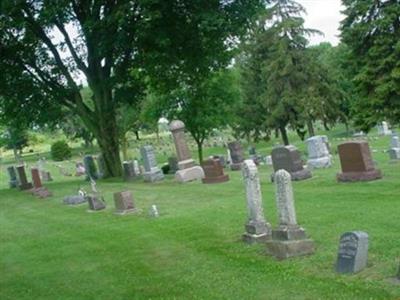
[
  {"x": 318, "y": 153},
  {"x": 13, "y": 180},
  {"x": 23, "y": 181},
  {"x": 236, "y": 154},
  {"x": 124, "y": 203},
  {"x": 288, "y": 158},
  {"x": 214, "y": 172},
  {"x": 152, "y": 172},
  {"x": 353, "y": 252}
]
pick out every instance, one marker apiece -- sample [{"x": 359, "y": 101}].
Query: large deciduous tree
[
  {"x": 48, "y": 47},
  {"x": 371, "y": 30}
]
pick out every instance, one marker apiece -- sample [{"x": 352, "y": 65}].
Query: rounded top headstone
[
  {"x": 282, "y": 176},
  {"x": 176, "y": 124}
]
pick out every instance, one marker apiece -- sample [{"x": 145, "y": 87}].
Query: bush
[{"x": 60, "y": 151}]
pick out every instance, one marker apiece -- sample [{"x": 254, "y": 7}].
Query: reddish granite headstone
[
  {"x": 214, "y": 172},
  {"x": 23, "y": 181},
  {"x": 37, "y": 183},
  {"x": 356, "y": 161},
  {"x": 124, "y": 202}
]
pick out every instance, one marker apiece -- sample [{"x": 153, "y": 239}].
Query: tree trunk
[
  {"x": 284, "y": 136},
  {"x": 310, "y": 128},
  {"x": 124, "y": 147},
  {"x": 276, "y": 133},
  {"x": 137, "y": 135},
  {"x": 200, "y": 150}
]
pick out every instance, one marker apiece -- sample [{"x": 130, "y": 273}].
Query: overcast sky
[{"x": 325, "y": 16}]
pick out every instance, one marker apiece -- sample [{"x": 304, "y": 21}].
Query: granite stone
[{"x": 353, "y": 252}]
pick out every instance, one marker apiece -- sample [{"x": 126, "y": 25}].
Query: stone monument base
[
  {"x": 288, "y": 242},
  {"x": 153, "y": 176},
  {"x": 218, "y": 179},
  {"x": 25, "y": 186},
  {"x": 236, "y": 166},
  {"x": 185, "y": 164},
  {"x": 41, "y": 192},
  {"x": 319, "y": 163},
  {"x": 255, "y": 238},
  {"x": 256, "y": 232},
  {"x": 189, "y": 174},
  {"x": 359, "y": 176},
  {"x": 74, "y": 200},
  {"x": 126, "y": 211}
]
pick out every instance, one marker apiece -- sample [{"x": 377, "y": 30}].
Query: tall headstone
[
  {"x": 187, "y": 170},
  {"x": 23, "y": 181},
  {"x": 213, "y": 171},
  {"x": 288, "y": 158},
  {"x": 394, "y": 151},
  {"x": 90, "y": 167},
  {"x": 353, "y": 252},
  {"x": 129, "y": 171},
  {"x": 289, "y": 239},
  {"x": 318, "y": 153},
  {"x": 12, "y": 174},
  {"x": 383, "y": 129},
  {"x": 102, "y": 166},
  {"x": 38, "y": 189},
  {"x": 152, "y": 172},
  {"x": 356, "y": 161},
  {"x": 256, "y": 227},
  {"x": 236, "y": 153},
  {"x": 124, "y": 203}
]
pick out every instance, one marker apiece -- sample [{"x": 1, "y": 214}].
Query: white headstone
[{"x": 284, "y": 198}]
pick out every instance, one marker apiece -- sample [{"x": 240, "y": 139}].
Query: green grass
[{"x": 194, "y": 251}]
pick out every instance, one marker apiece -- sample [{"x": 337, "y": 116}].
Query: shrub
[
  {"x": 165, "y": 169},
  {"x": 60, "y": 151}
]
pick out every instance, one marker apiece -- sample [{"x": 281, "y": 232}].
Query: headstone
[
  {"x": 13, "y": 180},
  {"x": 136, "y": 167},
  {"x": 221, "y": 159},
  {"x": 353, "y": 252},
  {"x": 37, "y": 183},
  {"x": 236, "y": 154},
  {"x": 173, "y": 164},
  {"x": 38, "y": 189},
  {"x": 289, "y": 239},
  {"x": 153, "y": 212},
  {"x": 256, "y": 228},
  {"x": 129, "y": 171},
  {"x": 318, "y": 153},
  {"x": 23, "y": 181},
  {"x": 90, "y": 167},
  {"x": 96, "y": 202},
  {"x": 288, "y": 158},
  {"x": 356, "y": 161},
  {"x": 383, "y": 129},
  {"x": 394, "y": 151},
  {"x": 80, "y": 169},
  {"x": 102, "y": 166},
  {"x": 268, "y": 160},
  {"x": 74, "y": 199},
  {"x": 124, "y": 203},
  {"x": 46, "y": 175},
  {"x": 187, "y": 170},
  {"x": 152, "y": 172},
  {"x": 213, "y": 171}
]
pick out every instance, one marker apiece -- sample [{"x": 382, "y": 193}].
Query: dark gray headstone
[
  {"x": 353, "y": 252},
  {"x": 95, "y": 202},
  {"x": 13, "y": 177},
  {"x": 102, "y": 166},
  {"x": 173, "y": 164},
  {"x": 74, "y": 200},
  {"x": 129, "y": 171},
  {"x": 90, "y": 167}
]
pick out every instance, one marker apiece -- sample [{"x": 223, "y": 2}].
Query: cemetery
[{"x": 199, "y": 149}]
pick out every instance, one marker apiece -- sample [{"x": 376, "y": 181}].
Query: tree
[
  {"x": 15, "y": 138},
  {"x": 273, "y": 71},
  {"x": 118, "y": 48},
  {"x": 371, "y": 30}
]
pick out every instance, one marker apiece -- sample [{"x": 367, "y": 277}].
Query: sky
[{"x": 325, "y": 16}]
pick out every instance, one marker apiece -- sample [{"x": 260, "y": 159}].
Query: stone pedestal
[
  {"x": 356, "y": 161},
  {"x": 289, "y": 239},
  {"x": 213, "y": 171},
  {"x": 96, "y": 202}
]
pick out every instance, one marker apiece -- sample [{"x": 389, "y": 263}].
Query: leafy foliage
[{"x": 60, "y": 151}]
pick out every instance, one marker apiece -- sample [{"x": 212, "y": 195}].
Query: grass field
[{"x": 193, "y": 250}]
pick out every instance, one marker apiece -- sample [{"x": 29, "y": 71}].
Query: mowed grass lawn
[{"x": 194, "y": 249}]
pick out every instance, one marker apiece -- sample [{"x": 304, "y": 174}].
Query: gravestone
[
  {"x": 129, "y": 171},
  {"x": 173, "y": 164},
  {"x": 256, "y": 228},
  {"x": 394, "y": 151},
  {"x": 318, "y": 153},
  {"x": 74, "y": 199},
  {"x": 289, "y": 239},
  {"x": 288, "y": 158},
  {"x": 12, "y": 174},
  {"x": 353, "y": 252},
  {"x": 153, "y": 212},
  {"x": 236, "y": 153},
  {"x": 22, "y": 180},
  {"x": 102, "y": 166},
  {"x": 95, "y": 202},
  {"x": 90, "y": 167},
  {"x": 213, "y": 171},
  {"x": 124, "y": 203},
  {"x": 356, "y": 161},
  {"x": 383, "y": 129},
  {"x": 187, "y": 170},
  {"x": 136, "y": 167},
  {"x": 80, "y": 169},
  {"x": 152, "y": 172},
  {"x": 221, "y": 159},
  {"x": 38, "y": 189},
  {"x": 46, "y": 175}
]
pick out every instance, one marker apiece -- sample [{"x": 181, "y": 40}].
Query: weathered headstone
[
  {"x": 152, "y": 172},
  {"x": 173, "y": 164},
  {"x": 80, "y": 169},
  {"x": 129, "y": 171},
  {"x": 318, "y": 153},
  {"x": 153, "y": 212},
  {"x": 289, "y": 239},
  {"x": 257, "y": 229},
  {"x": 22, "y": 180},
  {"x": 356, "y": 161},
  {"x": 187, "y": 170},
  {"x": 236, "y": 153},
  {"x": 124, "y": 203},
  {"x": 213, "y": 171},
  {"x": 95, "y": 202},
  {"x": 38, "y": 189},
  {"x": 90, "y": 167},
  {"x": 353, "y": 252},
  {"x": 46, "y": 175},
  {"x": 12, "y": 174},
  {"x": 74, "y": 199},
  {"x": 394, "y": 151},
  {"x": 383, "y": 129},
  {"x": 288, "y": 158},
  {"x": 136, "y": 167}
]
